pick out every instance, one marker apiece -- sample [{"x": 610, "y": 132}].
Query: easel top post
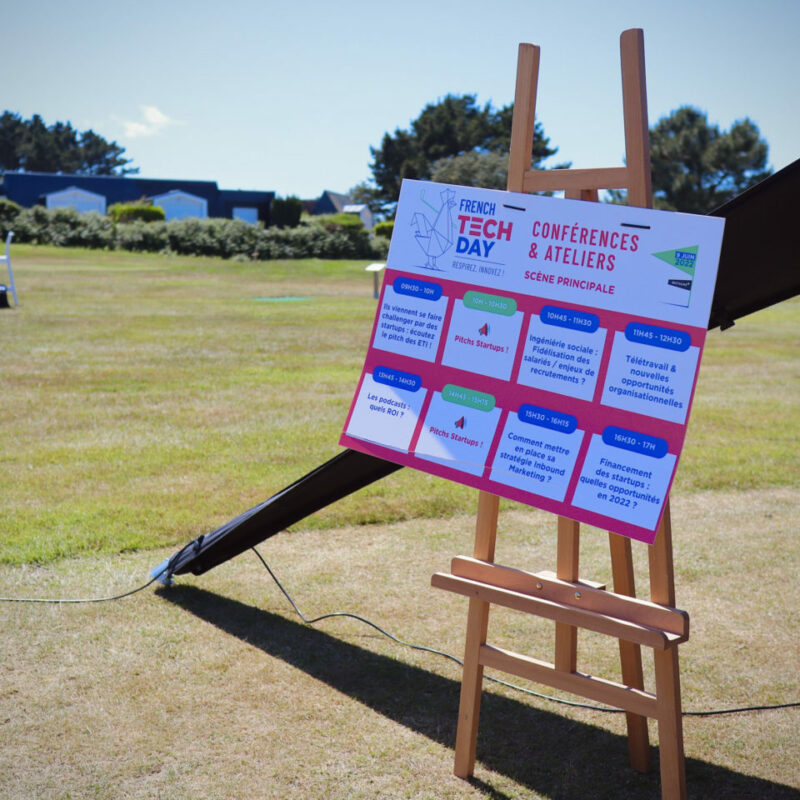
[
  {"x": 634, "y": 176},
  {"x": 634, "y": 107},
  {"x": 524, "y": 119}
]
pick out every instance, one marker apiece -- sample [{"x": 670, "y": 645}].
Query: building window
[{"x": 247, "y": 214}]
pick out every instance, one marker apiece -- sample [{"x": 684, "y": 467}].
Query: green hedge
[
  {"x": 225, "y": 238},
  {"x": 8, "y": 214},
  {"x": 143, "y": 237},
  {"x": 385, "y": 228},
  {"x": 64, "y": 227},
  {"x": 334, "y": 222},
  {"x": 285, "y": 212},
  {"x": 129, "y": 212}
]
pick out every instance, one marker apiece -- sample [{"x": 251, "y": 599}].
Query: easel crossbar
[
  {"x": 554, "y": 180},
  {"x": 613, "y": 694},
  {"x": 580, "y": 594},
  {"x": 558, "y": 611}
]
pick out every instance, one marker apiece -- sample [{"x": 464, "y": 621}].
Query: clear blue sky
[{"x": 289, "y": 96}]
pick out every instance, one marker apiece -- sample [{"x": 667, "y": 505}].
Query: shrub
[
  {"x": 385, "y": 228},
  {"x": 213, "y": 237},
  {"x": 380, "y": 247},
  {"x": 285, "y": 212},
  {"x": 143, "y": 237},
  {"x": 32, "y": 225},
  {"x": 128, "y": 212},
  {"x": 335, "y": 222},
  {"x": 235, "y": 237},
  {"x": 312, "y": 241},
  {"x": 9, "y": 211},
  {"x": 94, "y": 230},
  {"x": 224, "y": 238},
  {"x": 64, "y": 227},
  {"x": 192, "y": 236}
]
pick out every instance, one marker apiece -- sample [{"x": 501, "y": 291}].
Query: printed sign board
[{"x": 540, "y": 349}]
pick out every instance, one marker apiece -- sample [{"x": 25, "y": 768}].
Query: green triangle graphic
[{"x": 683, "y": 258}]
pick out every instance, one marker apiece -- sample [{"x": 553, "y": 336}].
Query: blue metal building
[{"x": 32, "y": 188}]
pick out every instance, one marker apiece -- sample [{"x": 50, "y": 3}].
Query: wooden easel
[{"x": 562, "y": 596}]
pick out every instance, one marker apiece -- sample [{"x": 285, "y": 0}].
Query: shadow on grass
[{"x": 554, "y": 756}]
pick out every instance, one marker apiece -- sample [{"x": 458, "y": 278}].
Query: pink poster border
[{"x": 509, "y": 395}]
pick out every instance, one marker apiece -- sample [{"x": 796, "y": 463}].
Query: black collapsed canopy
[
  {"x": 759, "y": 267},
  {"x": 331, "y": 481},
  {"x": 759, "y": 264}
]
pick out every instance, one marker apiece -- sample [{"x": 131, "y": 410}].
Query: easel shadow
[{"x": 515, "y": 739}]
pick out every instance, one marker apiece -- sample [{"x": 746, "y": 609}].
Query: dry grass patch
[
  {"x": 213, "y": 689},
  {"x": 148, "y": 399}
]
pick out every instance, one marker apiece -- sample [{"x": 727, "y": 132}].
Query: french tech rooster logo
[{"x": 435, "y": 237}]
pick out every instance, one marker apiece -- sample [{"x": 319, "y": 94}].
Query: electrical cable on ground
[
  {"x": 166, "y": 569},
  {"x": 514, "y": 686},
  {"x": 423, "y": 648},
  {"x": 81, "y": 599}
]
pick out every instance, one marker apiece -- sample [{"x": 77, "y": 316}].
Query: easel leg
[
  {"x": 567, "y": 569},
  {"x": 670, "y": 725},
  {"x": 471, "y": 689},
  {"x": 668, "y": 681},
  {"x": 630, "y": 654},
  {"x": 477, "y": 628},
  {"x": 662, "y": 569}
]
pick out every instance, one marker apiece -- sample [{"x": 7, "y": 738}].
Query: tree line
[
  {"x": 32, "y": 145},
  {"x": 696, "y": 166}
]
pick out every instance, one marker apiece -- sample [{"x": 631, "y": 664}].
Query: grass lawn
[{"x": 147, "y": 399}]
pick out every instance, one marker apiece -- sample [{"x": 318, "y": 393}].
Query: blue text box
[
  {"x": 668, "y": 338},
  {"x": 416, "y": 288},
  {"x": 546, "y": 418},
  {"x": 636, "y": 442},
  {"x": 569, "y": 318},
  {"x": 394, "y": 377}
]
